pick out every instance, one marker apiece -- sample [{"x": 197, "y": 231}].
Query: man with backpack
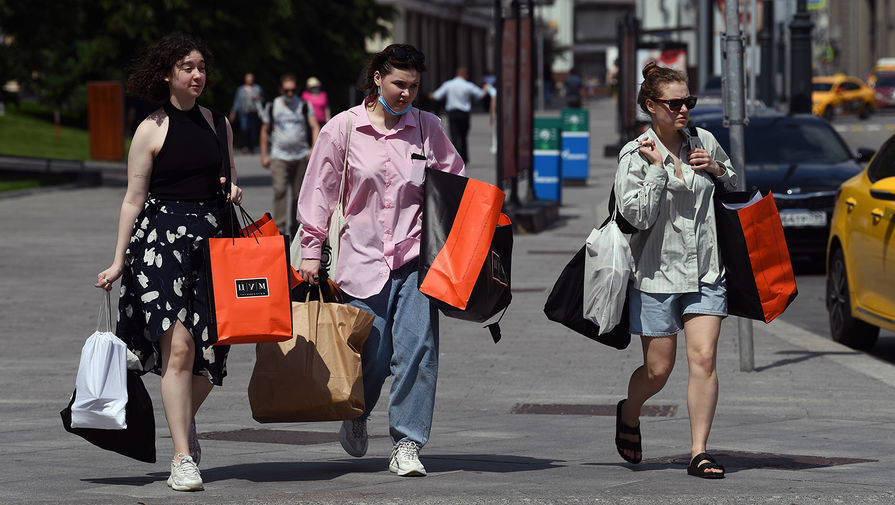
[{"x": 288, "y": 132}]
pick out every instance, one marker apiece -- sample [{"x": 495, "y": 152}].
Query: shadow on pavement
[
  {"x": 298, "y": 471},
  {"x": 802, "y": 356},
  {"x": 141, "y": 480}
]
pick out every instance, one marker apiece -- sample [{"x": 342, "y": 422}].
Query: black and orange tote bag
[
  {"x": 466, "y": 247},
  {"x": 760, "y": 280}
]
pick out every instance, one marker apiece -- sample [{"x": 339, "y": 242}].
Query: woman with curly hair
[
  {"x": 389, "y": 148},
  {"x": 174, "y": 199}
]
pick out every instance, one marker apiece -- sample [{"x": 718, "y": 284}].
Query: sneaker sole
[
  {"x": 176, "y": 487},
  {"x": 406, "y": 473}
]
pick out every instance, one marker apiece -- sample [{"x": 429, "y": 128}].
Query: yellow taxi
[
  {"x": 841, "y": 94},
  {"x": 860, "y": 292}
]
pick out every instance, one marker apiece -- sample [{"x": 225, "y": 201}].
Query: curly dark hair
[
  {"x": 148, "y": 71},
  {"x": 654, "y": 79},
  {"x": 402, "y": 56}
]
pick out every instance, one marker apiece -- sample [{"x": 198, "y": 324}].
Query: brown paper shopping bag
[{"x": 316, "y": 375}]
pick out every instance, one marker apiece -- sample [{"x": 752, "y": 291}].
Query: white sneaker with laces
[
  {"x": 195, "y": 449},
  {"x": 185, "y": 475},
  {"x": 405, "y": 460},
  {"x": 353, "y": 436}
]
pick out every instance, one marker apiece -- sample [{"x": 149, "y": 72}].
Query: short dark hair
[
  {"x": 148, "y": 71},
  {"x": 385, "y": 61}
]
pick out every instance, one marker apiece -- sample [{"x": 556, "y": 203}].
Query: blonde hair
[{"x": 655, "y": 78}]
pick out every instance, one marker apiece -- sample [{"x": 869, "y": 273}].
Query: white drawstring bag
[
  {"x": 101, "y": 386},
  {"x": 608, "y": 264}
]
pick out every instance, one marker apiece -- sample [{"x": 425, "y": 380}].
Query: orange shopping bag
[
  {"x": 268, "y": 228},
  {"x": 248, "y": 287},
  {"x": 264, "y": 226}
]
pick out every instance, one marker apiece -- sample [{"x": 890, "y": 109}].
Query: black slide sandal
[
  {"x": 698, "y": 470},
  {"x": 621, "y": 443}
]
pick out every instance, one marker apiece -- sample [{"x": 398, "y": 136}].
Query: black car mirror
[
  {"x": 883, "y": 189},
  {"x": 865, "y": 153}
]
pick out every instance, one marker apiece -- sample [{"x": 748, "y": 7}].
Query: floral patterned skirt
[{"x": 164, "y": 281}]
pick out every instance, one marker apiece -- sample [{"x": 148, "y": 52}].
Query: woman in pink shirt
[
  {"x": 315, "y": 96},
  {"x": 390, "y": 147}
]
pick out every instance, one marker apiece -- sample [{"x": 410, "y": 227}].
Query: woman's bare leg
[
  {"x": 702, "y": 333},
  {"x": 658, "y": 361}
]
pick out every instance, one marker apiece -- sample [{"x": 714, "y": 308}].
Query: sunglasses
[
  {"x": 401, "y": 54},
  {"x": 288, "y": 91},
  {"x": 675, "y": 104}
]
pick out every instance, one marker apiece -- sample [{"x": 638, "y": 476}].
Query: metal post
[
  {"x": 800, "y": 36},
  {"x": 540, "y": 59},
  {"x": 736, "y": 112},
  {"x": 704, "y": 36},
  {"x": 514, "y": 181},
  {"x": 753, "y": 54},
  {"x": 766, "y": 39},
  {"x": 498, "y": 71}
]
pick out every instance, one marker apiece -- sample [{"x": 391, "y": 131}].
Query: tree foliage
[{"x": 58, "y": 46}]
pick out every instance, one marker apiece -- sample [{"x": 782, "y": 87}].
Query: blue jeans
[{"x": 403, "y": 343}]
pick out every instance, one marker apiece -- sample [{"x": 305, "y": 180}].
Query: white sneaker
[
  {"x": 353, "y": 436},
  {"x": 185, "y": 475},
  {"x": 195, "y": 449},
  {"x": 405, "y": 460}
]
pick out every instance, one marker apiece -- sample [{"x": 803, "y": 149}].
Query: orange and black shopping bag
[
  {"x": 760, "y": 280},
  {"x": 466, "y": 248},
  {"x": 266, "y": 227},
  {"x": 248, "y": 288}
]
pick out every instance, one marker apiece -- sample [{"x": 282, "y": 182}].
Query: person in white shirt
[
  {"x": 289, "y": 130},
  {"x": 459, "y": 94}
]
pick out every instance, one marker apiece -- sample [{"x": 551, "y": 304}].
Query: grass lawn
[
  {"x": 15, "y": 183},
  {"x": 25, "y": 135}
]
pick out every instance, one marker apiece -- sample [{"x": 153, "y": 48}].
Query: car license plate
[{"x": 798, "y": 219}]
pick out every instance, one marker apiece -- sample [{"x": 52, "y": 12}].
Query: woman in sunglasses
[
  {"x": 388, "y": 151},
  {"x": 664, "y": 186}
]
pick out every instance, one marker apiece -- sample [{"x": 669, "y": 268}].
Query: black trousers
[{"x": 459, "y": 130}]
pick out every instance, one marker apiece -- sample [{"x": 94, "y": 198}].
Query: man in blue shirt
[{"x": 459, "y": 93}]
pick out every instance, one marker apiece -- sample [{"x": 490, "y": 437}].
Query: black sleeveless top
[{"x": 188, "y": 165}]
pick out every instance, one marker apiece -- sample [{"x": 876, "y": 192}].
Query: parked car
[
  {"x": 713, "y": 105},
  {"x": 861, "y": 254},
  {"x": 884, "y": 88},
  {"x": 802, "y": 161},
  {"x": 840, "y": 94}
]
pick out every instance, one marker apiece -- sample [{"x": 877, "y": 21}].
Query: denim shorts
[{"x": 662, "y": 314}]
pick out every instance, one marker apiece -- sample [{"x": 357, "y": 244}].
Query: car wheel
[
  {"x": 828, "y": 113},
  {"x": 843, "y": 327},
  {"x": 866, "y": 110}
]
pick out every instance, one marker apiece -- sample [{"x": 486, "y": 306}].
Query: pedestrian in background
[
  {"x": 288, "y": 131},
  {"x": 314, "y": 95},
  {"x": 459, "y": 94},
  {"x": 664, "y": 187},
  {"x": 247, "y": 108},
  {"x": 173, "y": 201},
  {"x": 390, "y": 147},
  {"x": 574, "y": 89}
]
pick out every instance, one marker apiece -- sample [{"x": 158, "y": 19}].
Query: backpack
[{"x": 305, "y": 110}]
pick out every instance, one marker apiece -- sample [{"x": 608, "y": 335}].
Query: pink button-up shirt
[{"x": 383, "y": 193}]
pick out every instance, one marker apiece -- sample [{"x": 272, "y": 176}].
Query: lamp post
[{"x": 800, "y": 80}]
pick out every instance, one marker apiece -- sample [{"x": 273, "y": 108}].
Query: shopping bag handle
[
  {"x": 243, "y": 222},
  {"x": 105, "y": 309},
  {"x": 327, "y": 291}
]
